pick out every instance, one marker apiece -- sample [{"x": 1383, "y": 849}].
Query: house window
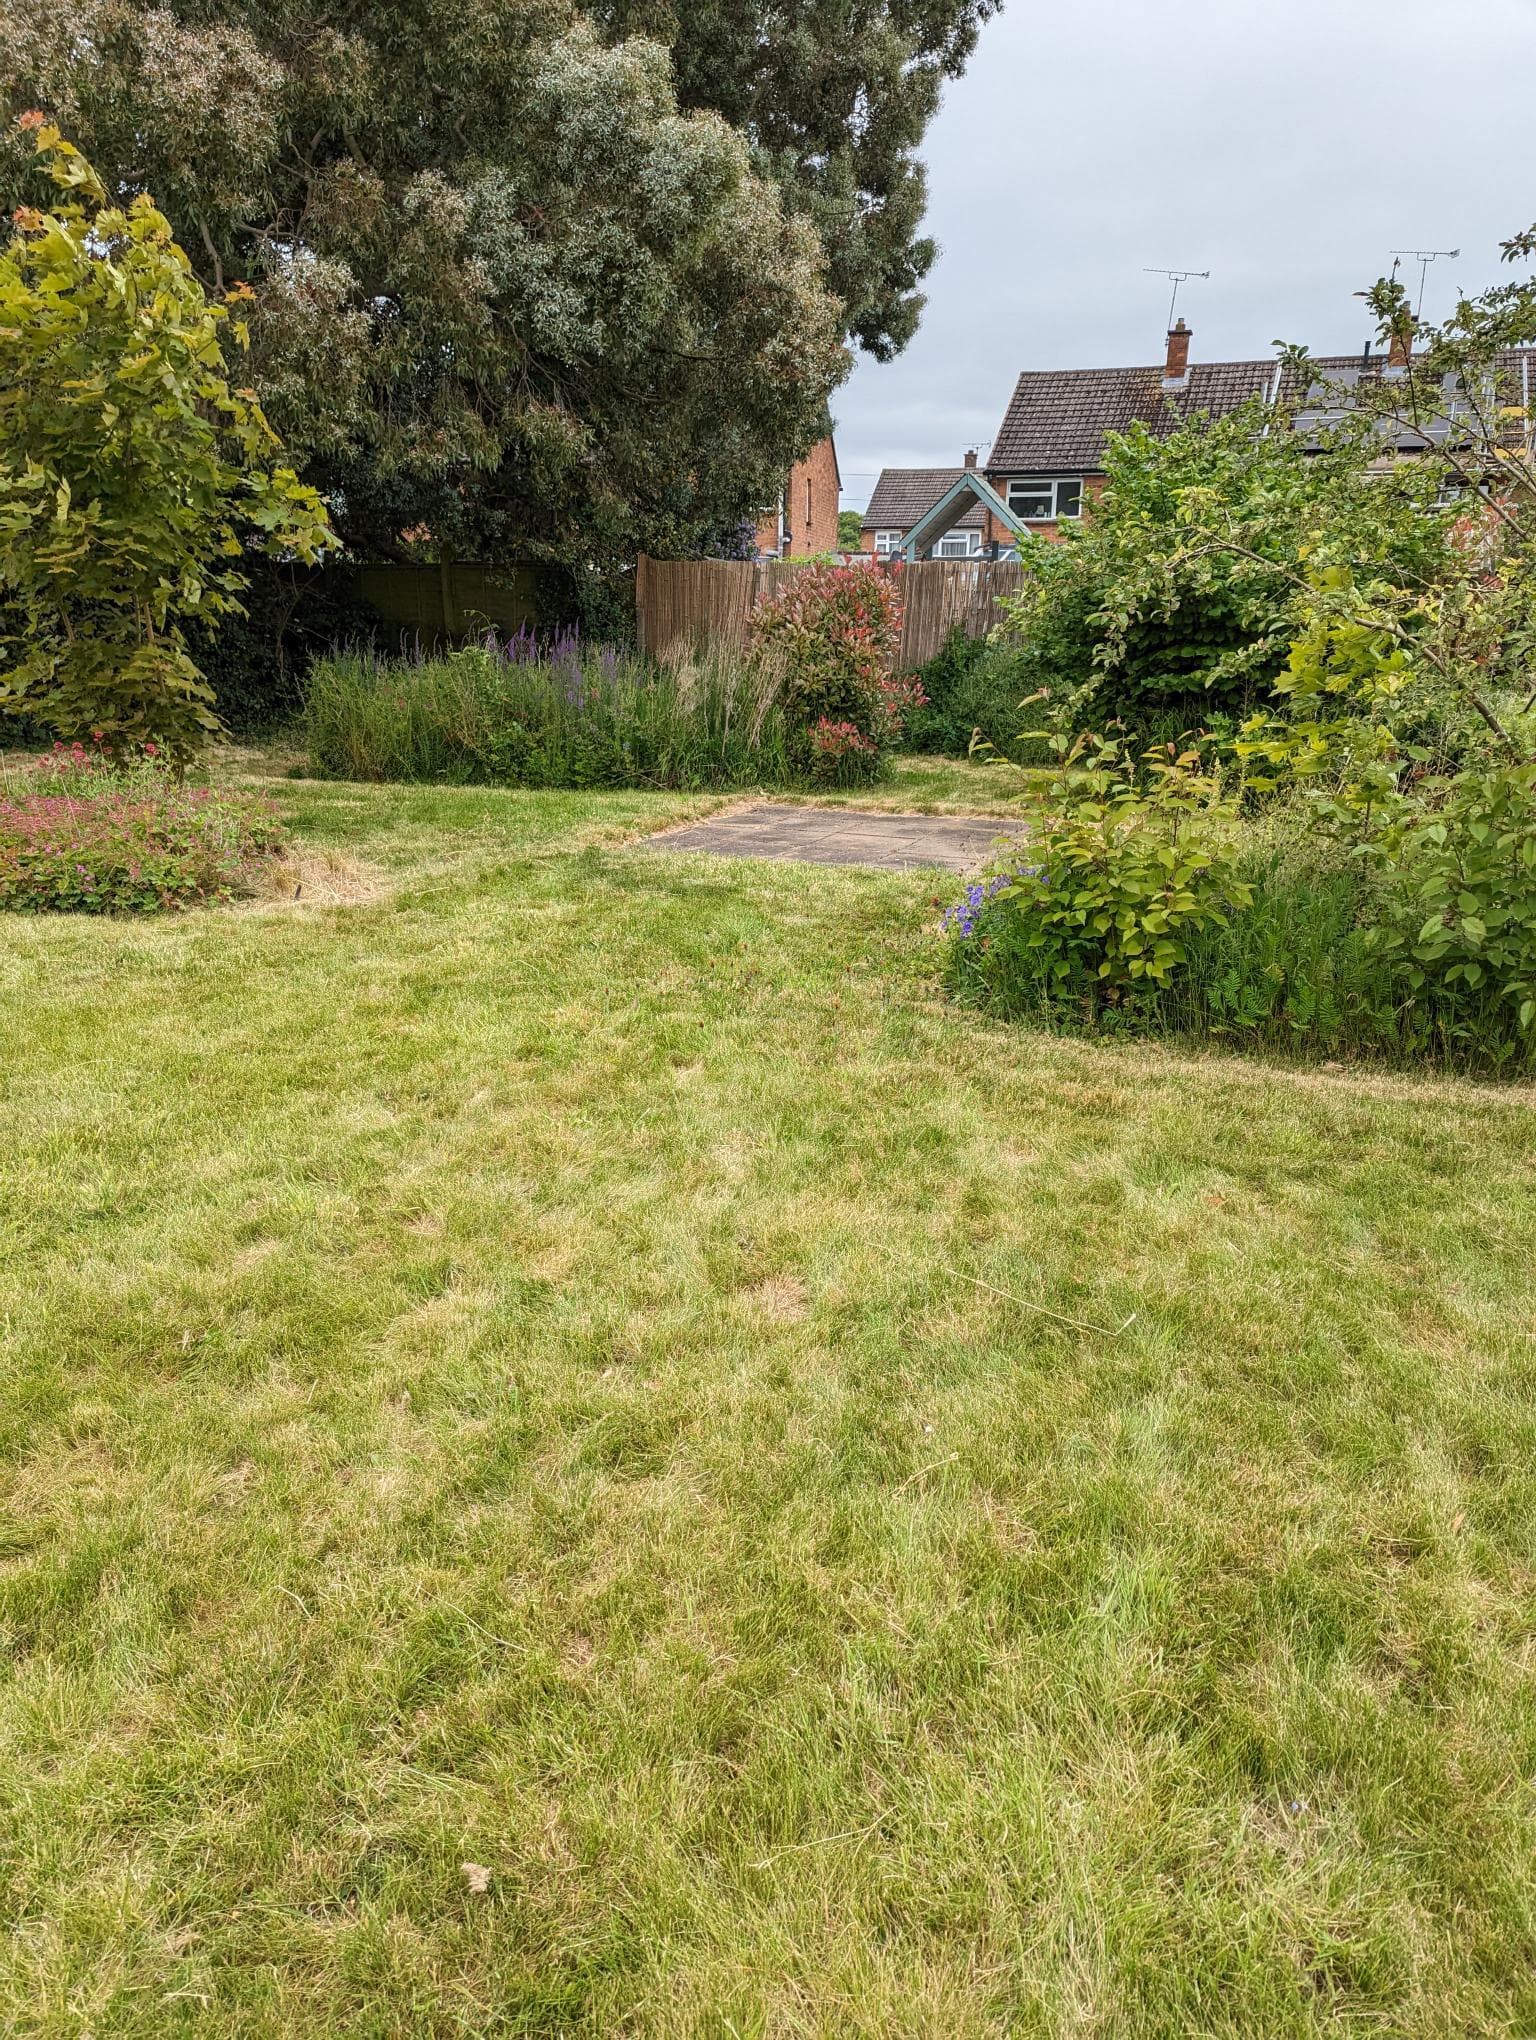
[
  {"x": 886, "y": 543},
  {"x": 1039, "y": 501},
  {"x": 958, "y": 545}
]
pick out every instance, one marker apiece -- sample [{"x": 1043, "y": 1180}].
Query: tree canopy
[
  {"x": 835, "y": 96},
  {"x": 511, "y": 295}
]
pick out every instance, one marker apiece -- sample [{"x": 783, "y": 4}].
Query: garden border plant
[
  {"x": 545, "y": 712},
  {"x": 1392, "y": 750},
  {"x": 82, "y": 832},
  {"x": 835, "y": 634}
]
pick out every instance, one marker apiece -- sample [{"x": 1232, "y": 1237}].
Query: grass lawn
[{"x": 580, "y": 1364}]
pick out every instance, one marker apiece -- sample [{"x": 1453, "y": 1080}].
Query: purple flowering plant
[{"x": 962, "y": 917}]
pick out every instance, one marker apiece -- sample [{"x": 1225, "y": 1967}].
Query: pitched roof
[
  {"x": 1059, "y": 418},
  {"x": 971, "y": 487},
  {"x": 902, "y": 495}
]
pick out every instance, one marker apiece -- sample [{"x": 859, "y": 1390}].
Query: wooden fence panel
[
  {"x": 450, "y": 601},
  {"x": 941, "y": 594},
  {"x": 684, "y": 606}
]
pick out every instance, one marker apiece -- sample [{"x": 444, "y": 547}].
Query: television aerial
[
  {"x": 1179, "y": 276},
  {"x": 1423, "y": 256}
]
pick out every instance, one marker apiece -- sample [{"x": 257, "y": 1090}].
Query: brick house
[
  {"x": 902, "y": 496},
  {"x": 1047, "y": 461},
  {"x": 804, "y": 521}
]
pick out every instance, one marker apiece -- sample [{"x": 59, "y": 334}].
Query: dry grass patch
[
  {"x": 783, "y": 1298},
  {"x": 319, "y": 878}
]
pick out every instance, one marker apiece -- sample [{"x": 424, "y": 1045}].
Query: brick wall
[
  {"x": 808, "y": 510},
  {"x": 810, "y": 506}
]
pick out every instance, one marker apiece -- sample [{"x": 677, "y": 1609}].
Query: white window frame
[
  {"x": 958, "y": 545},
  {"x": 888, "y": 544},
  {"x": 1050, "y": 487}
]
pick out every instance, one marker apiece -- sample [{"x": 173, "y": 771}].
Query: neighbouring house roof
[
  {"x": 902, "y": 495},
  {"x": 1059, "y": 418},
  {"x": 969, "y": 486}
]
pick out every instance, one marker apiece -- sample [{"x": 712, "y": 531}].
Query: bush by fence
[{"x": 975, "y": 689}]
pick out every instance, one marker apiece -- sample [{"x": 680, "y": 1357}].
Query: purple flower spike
[{"x": 961, "y": 918}]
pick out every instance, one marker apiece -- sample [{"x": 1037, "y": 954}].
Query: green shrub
[
  {"x": 133, "y": 477},
  {"x": 1316, "y": 963},
  {"x": 81, "y": 834},
  {"x": 257, "y": 663},
  {"x": 516, "y": 715},
  {"x": 1177, "y": 597},
  {"x": 975, "y": 690},
  {"x": 1458, "y": 919},
  {"x": 1132, "y": 859}
]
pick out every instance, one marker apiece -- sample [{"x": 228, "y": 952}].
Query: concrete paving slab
[{"x": 809, "y": 835}]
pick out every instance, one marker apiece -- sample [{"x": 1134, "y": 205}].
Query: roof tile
[
  {"x": 903, "y": 495},
  {"x": 1059, "y": 418}
]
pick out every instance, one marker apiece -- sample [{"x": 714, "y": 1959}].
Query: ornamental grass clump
[
  {"x": 545, "y": 712},
  {"x": 82, "y": 833}
]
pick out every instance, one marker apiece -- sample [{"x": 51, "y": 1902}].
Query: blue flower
[{"x": 961, "y": 918}]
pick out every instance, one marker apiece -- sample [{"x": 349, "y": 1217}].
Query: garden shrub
[
  {"x": 1132, "y": 859},
  {"x": 835, "y": 633},
  {"x": 1457, "y": 929},
  {"x": 1177, "y": 598},
  {"x": 975, "y": 689},
  {"x": 133, "y": 477},
  {"x": 82, "y": 833},
  {"x": 1322, "y": 953}
]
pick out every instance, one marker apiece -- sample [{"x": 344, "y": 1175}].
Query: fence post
[{"x": 445, "y": 592}]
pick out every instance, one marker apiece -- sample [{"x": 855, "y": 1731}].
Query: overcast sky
[{"x": 1286, "y": 148}]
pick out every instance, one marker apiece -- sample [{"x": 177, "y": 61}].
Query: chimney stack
[
  {"x": 970, "y": 456},
  {"x": 1400, "y": 354},
  {"x": 1176, "y": 369}
]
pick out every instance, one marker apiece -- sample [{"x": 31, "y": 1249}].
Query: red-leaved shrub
[
  {"x": 837, "y": 631},
  {"x": 80, "y": 833}
]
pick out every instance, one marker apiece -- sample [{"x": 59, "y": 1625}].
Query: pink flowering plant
[
  {"x": 82, "y": 832},
  {"x": 836, "y": 632}
]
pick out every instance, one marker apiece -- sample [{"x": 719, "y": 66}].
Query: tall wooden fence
[
  {"x": 684, "y": 606},
  {"x": 448, "y": 601}
]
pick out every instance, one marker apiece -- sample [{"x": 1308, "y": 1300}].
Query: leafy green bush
[
  {"x": 1317, "y": 962},
  {"x": 82, "y": 834},
  {"x": 1132, "y": 859},
  {"x": 132, "y": 475},
  {"x": 517, "y": 714},
  {"x": 975, "y": 690},
  {"x": 1179, "y": 596},
  {"x": 1458, "y": 923}
]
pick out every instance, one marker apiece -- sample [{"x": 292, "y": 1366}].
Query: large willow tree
[{"x": 509, "y": 294}]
